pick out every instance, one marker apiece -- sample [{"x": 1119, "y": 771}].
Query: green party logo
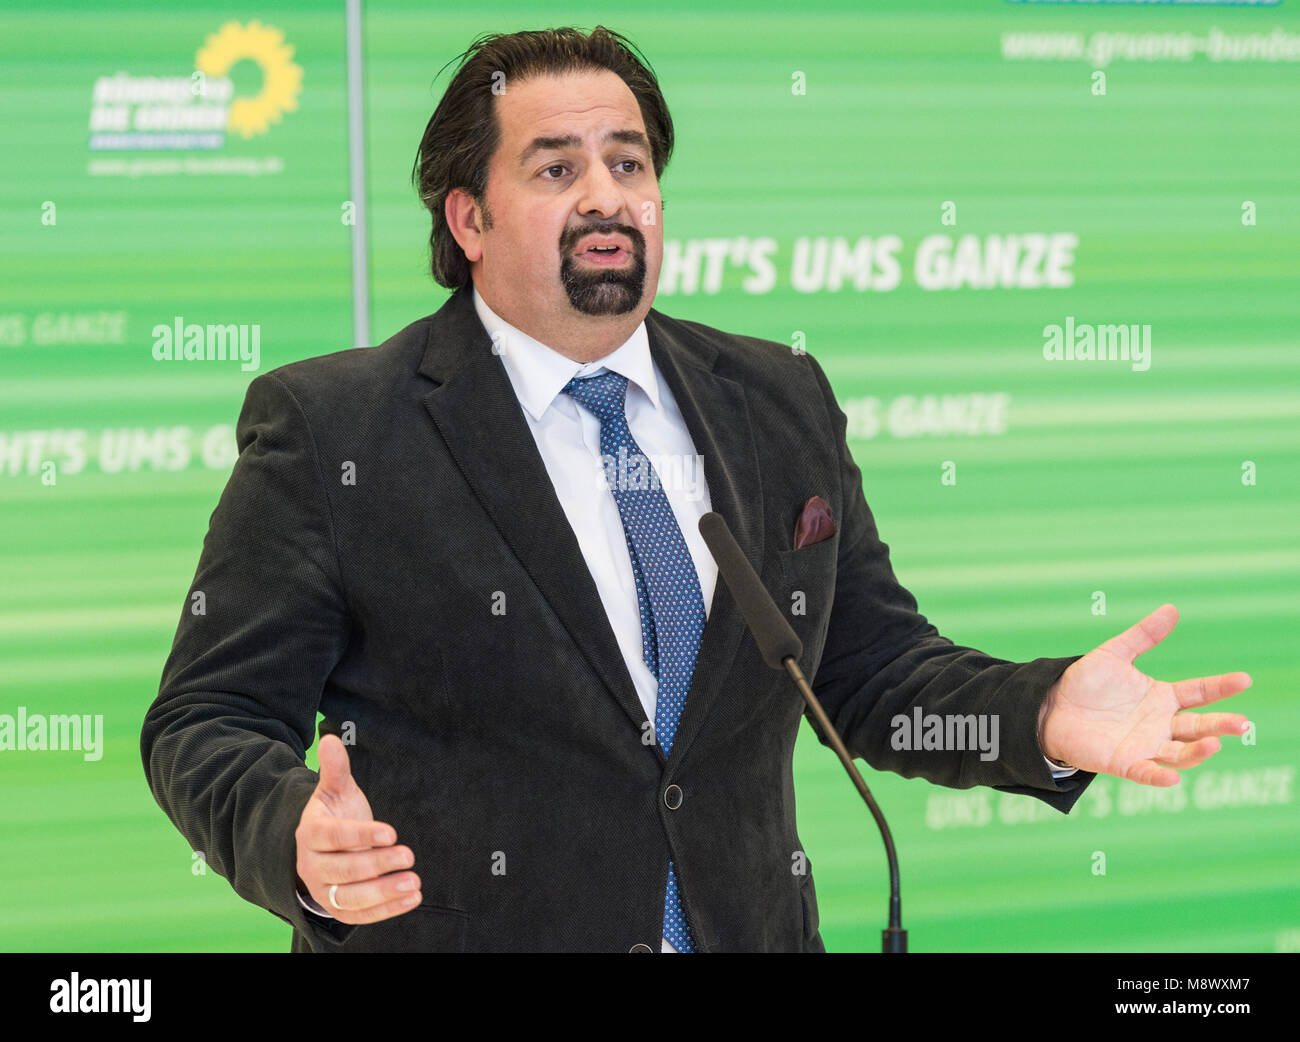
[
  {"x": 281, "y": 78},
  {"x": 200, "y": 109}
]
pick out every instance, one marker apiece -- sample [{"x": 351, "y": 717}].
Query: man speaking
[{"x": 475, "y": 551}]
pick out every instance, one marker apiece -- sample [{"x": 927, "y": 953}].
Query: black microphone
[{"x": 780, "y": 647}]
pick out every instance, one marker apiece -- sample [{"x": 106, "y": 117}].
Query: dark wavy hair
[{"x": 463, "y": 133}]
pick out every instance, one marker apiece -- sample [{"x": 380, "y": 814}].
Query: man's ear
[{"x": 465, "y": 220}]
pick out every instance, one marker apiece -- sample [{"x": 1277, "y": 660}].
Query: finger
[
  {"x": 380, "y": 912},
  {"x": 335, "y": 771},
  {"x": 1187, "y": 727},
  {"x": 1201, "y": 691},
  {"x": 324, "y": 833},
  {"x": 1145, "y": 635},
  {"x": 371, "y": 893},
  {"x": 1148, "y": 772},
  {"x": 1182, "y": 755},
  {"x": 359, "y": 866}
]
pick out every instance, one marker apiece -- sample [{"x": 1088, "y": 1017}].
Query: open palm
[{"x": 1105, "y": 715}]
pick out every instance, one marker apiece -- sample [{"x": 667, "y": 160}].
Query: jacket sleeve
[
  {"x": 883, "y": 659},
  {"x": 265, "y": 622}
]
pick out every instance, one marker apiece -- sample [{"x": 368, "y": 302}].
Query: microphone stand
[
  {"x": 780, "y": 647},
  {"x": 893, "y": 939}
]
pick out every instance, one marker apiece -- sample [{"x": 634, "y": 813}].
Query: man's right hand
[{"x": 339, "y": 842}]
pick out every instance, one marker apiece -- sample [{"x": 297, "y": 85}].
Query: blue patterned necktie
[{"x": 667, "y": 586}]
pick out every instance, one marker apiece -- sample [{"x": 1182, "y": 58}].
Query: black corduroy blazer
[{"x": 389, "y": 551}]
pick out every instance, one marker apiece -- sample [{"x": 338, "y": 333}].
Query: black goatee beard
[{"x": 604, "y": 291}]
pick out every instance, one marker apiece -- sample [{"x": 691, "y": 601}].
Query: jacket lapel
[
  {"x": 731, "y": 469},
  {"x": 487, "y": 435}
]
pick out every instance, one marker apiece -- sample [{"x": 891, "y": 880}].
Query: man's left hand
[{"x": 1105, "y": 715}]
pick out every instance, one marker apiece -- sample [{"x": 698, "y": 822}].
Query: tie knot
[{"x": 603, "y": 396}]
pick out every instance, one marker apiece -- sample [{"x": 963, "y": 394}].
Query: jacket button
[
  {"x": 639, "y": 949},
  {"x": 673, "y": 797}
]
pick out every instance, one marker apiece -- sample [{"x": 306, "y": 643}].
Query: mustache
[{"x": 572, "y": 236}]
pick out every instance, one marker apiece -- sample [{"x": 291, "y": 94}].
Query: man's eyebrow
[{"x": 546, "y": 144}]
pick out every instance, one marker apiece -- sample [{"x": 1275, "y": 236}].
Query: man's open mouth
[
  {"x": 604, "y": 247},
  {"x": 605, "y": 254}
]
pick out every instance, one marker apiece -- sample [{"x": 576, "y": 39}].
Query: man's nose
[{"x": 600, "y": 192}]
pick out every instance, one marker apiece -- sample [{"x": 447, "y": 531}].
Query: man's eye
[{"x": 635, "y": 164}]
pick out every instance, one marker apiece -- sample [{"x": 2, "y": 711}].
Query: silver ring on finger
[{"x": 334, "y": 890}]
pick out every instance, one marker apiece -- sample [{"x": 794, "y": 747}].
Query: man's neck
[{"x": 583, "y": 338}]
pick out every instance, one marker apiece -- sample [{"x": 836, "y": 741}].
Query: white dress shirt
[{"x": 568, "y": 439}]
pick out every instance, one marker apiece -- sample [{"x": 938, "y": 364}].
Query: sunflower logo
[{"x": 281, "y": 78}]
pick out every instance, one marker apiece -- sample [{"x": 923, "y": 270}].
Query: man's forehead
[{"x": 553, "y": 105}]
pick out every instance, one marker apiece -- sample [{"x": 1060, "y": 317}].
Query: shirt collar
[{"x": 538, "y": 373}]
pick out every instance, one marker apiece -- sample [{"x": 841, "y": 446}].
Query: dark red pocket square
[{"x": 815, "y": 523}]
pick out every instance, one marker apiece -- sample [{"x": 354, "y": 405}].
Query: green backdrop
[{"x": 911, "y": 191}]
